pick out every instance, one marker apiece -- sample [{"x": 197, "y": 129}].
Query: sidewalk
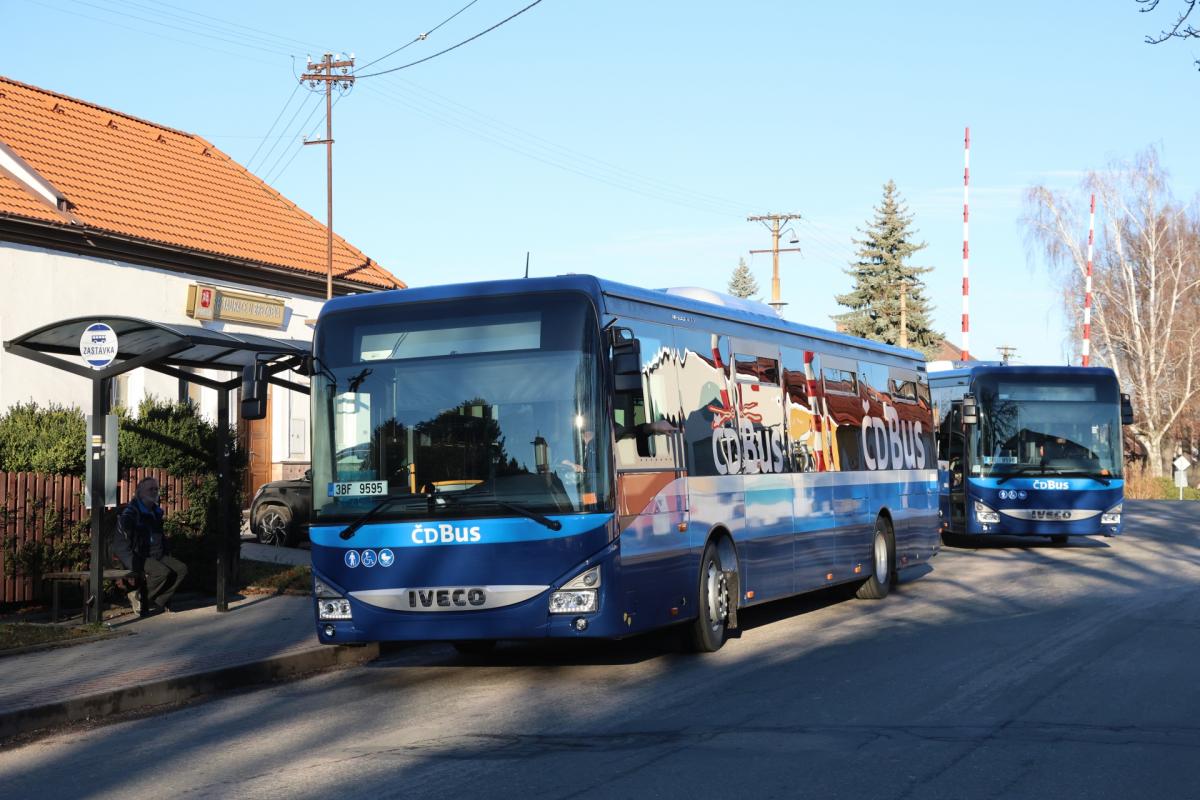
[{"x": 169, "y": 658}]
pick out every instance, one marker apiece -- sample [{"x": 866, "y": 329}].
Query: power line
[
  {"x": 420, "y": 37},
  {"x": 452, "y": 114},
  {"x": 270, "y": 130},
  {"x": 189, "y": 30},
  {"x": 453, "y": 47},
  {"x": 299, "y": 147},
  {"x": 288, "y": 127},
  {"x": 155, "y": 33},
  {"x": 265, "y": 35},
  {"x": 303, "y": 126}
]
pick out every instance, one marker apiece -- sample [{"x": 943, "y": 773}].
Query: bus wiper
[
  {"x": 1028, "y": 470},
  {"x": 541, "y": 519},
  {"x": 552, "y": 524},
  {"x": 1084, "y": 474},
  {"x": 1043, "y": 470},
  {"x": 370, "y": 513}
]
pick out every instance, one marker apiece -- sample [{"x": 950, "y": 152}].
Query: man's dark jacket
[{"x": 139, "y": 535}]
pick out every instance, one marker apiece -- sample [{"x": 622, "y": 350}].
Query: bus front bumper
[
  {"x": 457, "y": 621},
  {"x": 1043, "y": 522}
]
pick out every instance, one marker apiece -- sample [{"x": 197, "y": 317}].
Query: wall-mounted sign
[
  {"x": 98, "y": 345},
  {"x": 215, "y": 303}
]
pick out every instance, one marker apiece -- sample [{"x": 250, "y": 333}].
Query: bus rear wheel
[
  {"x": 709, "y": 630},
  {"x": 1059, "y": 538},
  {"x": 883, "y": 556}
]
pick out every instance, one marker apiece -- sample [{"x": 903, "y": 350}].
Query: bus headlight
[
  {"x": 330, "y": 604},
  {"x": 578, "y": 595},
  {"x": 986, "y": 515},
  {"x": 1112, "y": 516},
  {"x": 580, "y": 601}
]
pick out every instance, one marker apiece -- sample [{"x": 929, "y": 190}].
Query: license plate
[{"x": 358, "y": 489}]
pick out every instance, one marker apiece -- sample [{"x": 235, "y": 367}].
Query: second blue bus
[{"x": 1030, "y": 451}]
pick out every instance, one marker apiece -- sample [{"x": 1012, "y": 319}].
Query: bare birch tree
[{"x": 1146, "y": 286}]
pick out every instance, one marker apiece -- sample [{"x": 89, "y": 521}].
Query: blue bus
[
  {"x": 570, "y": 457},
  {"x": 1030, "y": 451}
]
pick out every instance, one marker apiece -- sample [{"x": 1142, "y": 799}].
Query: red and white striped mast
[
  {"x": 1087, "y": 287},
  {"x": 966, "y": 282}
]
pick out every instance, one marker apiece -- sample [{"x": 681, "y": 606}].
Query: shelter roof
[
  {"x": 121, "y": 175},
  {"x": 176, "y": 345}
]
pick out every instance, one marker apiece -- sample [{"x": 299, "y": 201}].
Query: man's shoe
[{"x": 135, "y": 601}]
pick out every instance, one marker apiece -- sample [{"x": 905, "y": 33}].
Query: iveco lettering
[{"x": 569, "y": 457}]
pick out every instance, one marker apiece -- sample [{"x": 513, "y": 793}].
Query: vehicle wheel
[
  {"x": 475, "y": 647},
  {"x": 274, "y": 525},
  {"x": 708, "y": 630},
  {"x": 1059, "y": 539},
  {"x": 883, "y": 551}
]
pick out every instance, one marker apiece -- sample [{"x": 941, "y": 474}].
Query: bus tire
[
  {"x": 708, "y": 631},
  {"x": 1059, "y": 538},
  {"x": 475, "y": 647},
  {"x": 883, "y": 563}
]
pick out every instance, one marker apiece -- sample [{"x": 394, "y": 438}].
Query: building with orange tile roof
[{"x": 105, "y": 213}]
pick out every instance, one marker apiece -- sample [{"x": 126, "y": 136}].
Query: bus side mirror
[
  {"x": 970, "y": 410},
  {"x": 254, "y": 391},
  {"x": 626, "y": 360},
  {"x": 1126, "y": 410}
]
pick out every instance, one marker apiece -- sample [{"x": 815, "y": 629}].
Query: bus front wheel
[
  {"x": 709, "y": 629},
  {"x": 883, "y": 556}
]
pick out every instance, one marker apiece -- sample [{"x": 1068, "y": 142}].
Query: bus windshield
[
  {"x": 488, "y": 408},
  {"x": 1068, "y": 426}
]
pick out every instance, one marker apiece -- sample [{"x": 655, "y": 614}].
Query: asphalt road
[{"x": 1009, "y": 670}]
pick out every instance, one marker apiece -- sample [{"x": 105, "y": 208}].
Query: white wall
[{"x": 39, "y": 286}]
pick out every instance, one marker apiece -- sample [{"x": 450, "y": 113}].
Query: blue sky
[{"x": 632, "y": 139}]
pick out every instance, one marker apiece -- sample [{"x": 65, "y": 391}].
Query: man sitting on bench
[{"x": 142, "y": 547}]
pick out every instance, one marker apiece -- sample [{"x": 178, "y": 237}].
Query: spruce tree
[
  {"x": 742, "y": 283},
  {"x": 880, "y": 270}
]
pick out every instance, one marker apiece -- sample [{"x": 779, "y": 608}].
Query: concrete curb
[{"x": 185, "y": 687}]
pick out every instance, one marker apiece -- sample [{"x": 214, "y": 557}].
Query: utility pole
[
  {"x": 1006, "y": 353},
  {"x": 774, "y": 223},
  {"x": 323, "y": 73}
]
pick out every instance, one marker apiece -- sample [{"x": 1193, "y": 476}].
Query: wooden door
[{"x": 258, "y": 449}]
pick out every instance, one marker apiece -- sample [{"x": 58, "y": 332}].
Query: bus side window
[{"x": 643, "y": 382}]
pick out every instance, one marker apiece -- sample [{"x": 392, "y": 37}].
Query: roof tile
[{"x": 125, "y": 175}]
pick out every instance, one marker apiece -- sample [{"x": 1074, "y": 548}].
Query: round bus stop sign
[{"x": 98, "y": 345}]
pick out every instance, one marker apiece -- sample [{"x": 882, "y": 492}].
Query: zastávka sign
[
  {"x": 98, "y": 345},
  {"x": 215, "y": 303}
]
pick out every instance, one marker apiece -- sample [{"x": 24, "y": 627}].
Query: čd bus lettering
[{"x": 444, "y": 534}]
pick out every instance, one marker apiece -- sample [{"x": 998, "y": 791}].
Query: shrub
[
  {"x": 168, "y": 436},
  {"x": 1140, "y": 485},
  {"x": 35, "y": 439}
]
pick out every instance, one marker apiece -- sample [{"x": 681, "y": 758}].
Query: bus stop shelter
[{"x": 122, "y": 344}]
